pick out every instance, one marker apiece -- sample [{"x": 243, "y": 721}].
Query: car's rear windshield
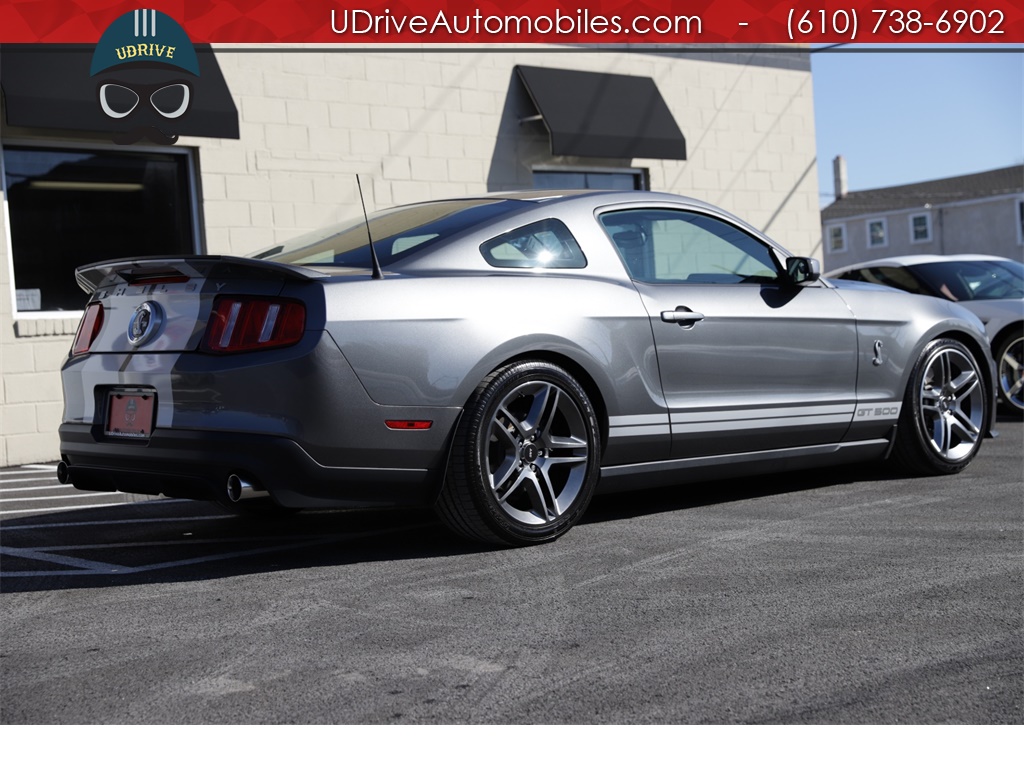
[
  {"x": 973, "y": 280},
  {"x": 397, "y": 233}
]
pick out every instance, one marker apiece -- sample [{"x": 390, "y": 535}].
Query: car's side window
[
  {"x": 547, "y": 244},
  {"x": 671, "y": 246}
]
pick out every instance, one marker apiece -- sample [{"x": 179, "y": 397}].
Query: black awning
[
  {"x": 49, "y": 87},
  {"x": 594, "y": 114}
]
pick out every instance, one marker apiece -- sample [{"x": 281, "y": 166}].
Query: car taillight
[
  {"x": 244, "y": 324},
  {"x": 88, "y": 329}
]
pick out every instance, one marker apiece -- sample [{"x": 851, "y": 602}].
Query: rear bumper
[{"x": 196, "y": 464}]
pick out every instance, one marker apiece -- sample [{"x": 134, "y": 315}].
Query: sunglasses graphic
[{"x": 119, "y": 100}]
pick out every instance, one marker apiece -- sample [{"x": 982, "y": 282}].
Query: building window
[
  {"x": 878, "y": 237},
  {"x": 921, "y": 228},
  {"x": 837, "y": 238},
  {"x": 72, "y": 206},
  {"x": 626, "y": 178},
  {"x": 1020, "y": 221}
]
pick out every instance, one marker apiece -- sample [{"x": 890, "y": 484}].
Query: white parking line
[
  {"x": 72, "y": 496},
  {"x": 93, "y": 568},
  {"x": 129, "y": 521},
  {"x": 181, "y": 542},
  {"x": 71, "y": 507},
  {"x": 38, "y": 483},
  {"x": 32, "y": 487}
]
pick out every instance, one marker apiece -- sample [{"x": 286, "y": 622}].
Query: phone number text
[{"x": 846, "y": 23}]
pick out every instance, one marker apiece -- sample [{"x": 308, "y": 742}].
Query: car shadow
[
  {"x": 694, "y": 495},
  {"x": 191, "y": 541}
]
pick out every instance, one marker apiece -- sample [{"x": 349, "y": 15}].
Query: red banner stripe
[{"x": 457, "y": 22}]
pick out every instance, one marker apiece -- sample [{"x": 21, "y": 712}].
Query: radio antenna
[{"x": 377, "y": 274}]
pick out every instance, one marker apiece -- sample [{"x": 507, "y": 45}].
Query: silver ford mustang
[{"x": 502, "y": 357}]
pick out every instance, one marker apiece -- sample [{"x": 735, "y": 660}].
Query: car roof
[
  {"x": 625, "y": 195},
  {"x": 911, "y": 261}
]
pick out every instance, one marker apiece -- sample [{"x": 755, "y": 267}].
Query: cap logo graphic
[{"x": 146, "y": 70}]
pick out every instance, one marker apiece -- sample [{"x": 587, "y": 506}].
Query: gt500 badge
[
  {"x": 881, "y": 411},
  {"x": 145, "y": 323}
]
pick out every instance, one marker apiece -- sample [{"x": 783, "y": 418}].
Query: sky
[{"x": 910, "y": 116}]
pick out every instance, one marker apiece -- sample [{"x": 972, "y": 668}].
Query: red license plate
[{"x": 130, "y": 414}]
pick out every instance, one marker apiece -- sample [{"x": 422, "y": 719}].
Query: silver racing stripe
[
  {"x": 638, "y": 425},
  {"x": 139, "y": 370},
  {"x": 115, "y": 362},
  {"x": 696, "y": 422}
]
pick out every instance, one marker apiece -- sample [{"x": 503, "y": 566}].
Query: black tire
[
  {"x": 1009, "y": 358},
  {"x": 945, "y": 411},
  {"x": 525, "y": 458}
]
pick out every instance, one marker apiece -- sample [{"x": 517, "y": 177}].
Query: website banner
[{"x": 589, "y": 22}]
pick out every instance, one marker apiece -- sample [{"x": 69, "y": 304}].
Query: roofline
[
  {"x": 910, "y": 260},
  {"x": 934, "y": 192}
]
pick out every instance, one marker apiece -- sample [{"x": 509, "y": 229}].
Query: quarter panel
[{"x": 430, "y": 340}]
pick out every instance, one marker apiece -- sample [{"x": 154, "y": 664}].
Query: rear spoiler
[{"x": 103, "y": 274}]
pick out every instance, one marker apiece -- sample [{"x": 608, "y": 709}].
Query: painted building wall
[
  {"x": 991, "y": 226},
  {"x": 420, "y": 125}
]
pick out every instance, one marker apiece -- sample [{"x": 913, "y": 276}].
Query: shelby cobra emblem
[{"x": 144, "y": 323}]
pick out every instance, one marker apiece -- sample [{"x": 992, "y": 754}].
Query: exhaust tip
[
  {"x": 63, "y": 473},
  {"x": 242, "y": 490}
]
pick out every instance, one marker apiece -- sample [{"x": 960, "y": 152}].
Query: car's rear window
[{"x": 397, "y": 233}]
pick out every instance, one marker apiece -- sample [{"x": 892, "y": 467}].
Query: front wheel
[
  {"x": 525, "y": 459},
  {"x": 945, "y": 411}
]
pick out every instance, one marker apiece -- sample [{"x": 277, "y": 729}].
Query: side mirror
[{"x": 802, "y": 269}]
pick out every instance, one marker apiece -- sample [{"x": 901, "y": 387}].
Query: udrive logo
[{"x": 146, "y": 71}]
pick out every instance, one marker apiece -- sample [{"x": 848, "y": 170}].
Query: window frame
[
  {"x": 885, "y": 232},
  {"x": 194, "y": 194},
  {"x": 556, "y": 227},
  {"x": 927, "y": 215},
  {"x": 841, "y": 227},
  {"x": 641, "y": 176},
  {"x": 1020, "y": 220}
]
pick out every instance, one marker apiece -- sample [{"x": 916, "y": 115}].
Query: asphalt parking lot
[{"x": 841, "y": 596}]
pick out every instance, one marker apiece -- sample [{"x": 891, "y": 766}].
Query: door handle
[{"x": 683, "y": 316}]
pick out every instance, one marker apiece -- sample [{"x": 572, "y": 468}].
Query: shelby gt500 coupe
[{"x": 499, "y": 358}]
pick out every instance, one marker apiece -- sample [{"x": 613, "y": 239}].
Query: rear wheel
[
  {"x": 945, "y": 411},
  {"x": 1010, "y": 363},
  {"x": 525, "y": 458}
]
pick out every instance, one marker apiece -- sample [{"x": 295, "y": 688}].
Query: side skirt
[{"x": 674, "y": 471}]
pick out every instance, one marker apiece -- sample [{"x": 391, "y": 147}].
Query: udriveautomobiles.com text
[{"x": 362, "y": 22}]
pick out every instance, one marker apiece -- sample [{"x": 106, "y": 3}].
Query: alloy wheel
[
  {"x": 1011, "y": 373},
  {"x": 537, "y": 452},
  {"x": 952, "y": 403}
]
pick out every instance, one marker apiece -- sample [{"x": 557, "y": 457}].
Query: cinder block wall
[{"x": 418, "y": 125}]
